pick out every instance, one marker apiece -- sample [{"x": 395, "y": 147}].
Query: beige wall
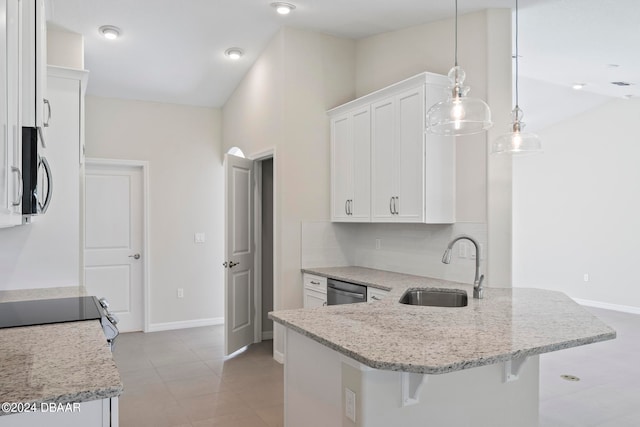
[
  {"x": 65, "y": 49},
  {"x": 183, "y": 147},
  {"x": 281, "y": 104}
]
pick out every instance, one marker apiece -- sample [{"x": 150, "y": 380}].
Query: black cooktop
[{"x": 44, "y": 311}]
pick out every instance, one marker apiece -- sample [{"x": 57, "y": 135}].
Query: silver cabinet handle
[
  {"x": 391, "y": 205},
  {"x": 225, "y": 264},
  {"x": 135, "y": 256},
  {"x": 18, "y": 199},
  {"x": 48, "y": 104},
  {"x": 313, "y": 282},
  {"x": 346, "y": 206},
  {"x": 42, "y": 207},
  {"x": 375, "y": 298},
  {"x": 395, "y": 205},
  {"x": 351, "y": 207},
  {"x": 233, "y": 264}
]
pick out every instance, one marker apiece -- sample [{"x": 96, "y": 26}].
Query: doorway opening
[{"x": 265, "y": 233}]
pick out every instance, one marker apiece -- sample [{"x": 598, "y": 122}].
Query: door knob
[
  {"x": 135, "y": 256},
  {"x": 225, "y": 264}
]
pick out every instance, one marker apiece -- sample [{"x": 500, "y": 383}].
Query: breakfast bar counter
[{"x": 409, "y": 362}]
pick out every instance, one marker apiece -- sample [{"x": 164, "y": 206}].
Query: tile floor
[{"x": 180, "y": 379}]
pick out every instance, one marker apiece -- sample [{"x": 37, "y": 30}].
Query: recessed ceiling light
[
  {"x": 283, "y": 8},
  {"x": 110, "y": 32},
  {"x": 578, "y": 86},
  {"x": 234, "y": 53}
]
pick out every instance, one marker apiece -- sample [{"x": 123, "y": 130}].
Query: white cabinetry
[
  {"x": 315, "y": 290},
  {"x": 35, "y": 107},
  {"x": 350, "y": 166},
  {"x": 412, "y": 175},
  {"x": 11, "y": 138},
  {"x": 375, "y": 294}
]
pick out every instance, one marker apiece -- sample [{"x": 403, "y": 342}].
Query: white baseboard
[
  {"x": 267, "y": 335},
  {"x": 278, "y": 357},
  {"x": 183, "y": 324},
  {"x": 608, "y": 306}
]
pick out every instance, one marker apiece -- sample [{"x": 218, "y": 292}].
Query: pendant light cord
[
  {"x": 456, "y": 37},
  {"x": 517, "y": 71}
]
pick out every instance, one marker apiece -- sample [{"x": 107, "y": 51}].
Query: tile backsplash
[{"x": 406, "y": 248}]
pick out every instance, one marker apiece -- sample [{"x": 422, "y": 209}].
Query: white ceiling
[{"x": 173, "y": 51}]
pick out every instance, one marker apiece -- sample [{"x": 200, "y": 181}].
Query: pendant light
[
  {"x": 459, "y": 114},
  {"x": 517, "y": 142}
]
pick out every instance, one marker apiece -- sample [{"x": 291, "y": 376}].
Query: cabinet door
[
  {"x": 341, "y": 167},
  {"x": 409, "y": 155},
  {"x": 360, "y": 205},
  {"x": 11, "y": 139},
  {"x": 314, "y": 299},
  {"x": 383, "y": 169}
]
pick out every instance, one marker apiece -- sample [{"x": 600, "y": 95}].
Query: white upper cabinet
[
  {"x": 35, "y": 107},
  {"x": 350, "y": 166},
  {"x": 412, "y": 174},
  {"x": 11, "y": 184}
]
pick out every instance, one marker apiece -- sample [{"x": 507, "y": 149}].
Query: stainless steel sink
[{"x": 435, "y": 297}]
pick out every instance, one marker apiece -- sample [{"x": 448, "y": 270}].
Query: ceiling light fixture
[
  {"x": 578, "y": 86},
  {"x": 110, "y": 32},
  {"x": 459, "y": 114},
  {"x": 234, "y": 53},
  {"x": 283, "y": 8},
  {"x": 516, "y": 141}
]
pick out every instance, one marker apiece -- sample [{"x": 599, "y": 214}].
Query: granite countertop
[
  {"x": 508, "y": 323},
  {"x": 60, "y": 362}
]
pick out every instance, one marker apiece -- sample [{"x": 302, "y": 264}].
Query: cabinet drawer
[{"x": 317, "y": 283}]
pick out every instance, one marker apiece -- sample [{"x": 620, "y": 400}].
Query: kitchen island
[
  {"x": 63, "y": 371},
  {"x": 386, "y": 363}
]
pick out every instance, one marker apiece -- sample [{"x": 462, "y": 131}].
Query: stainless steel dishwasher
[{"x": 339, "y": 292}]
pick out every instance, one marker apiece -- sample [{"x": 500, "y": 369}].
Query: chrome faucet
[{"x": 478, "y": 290}]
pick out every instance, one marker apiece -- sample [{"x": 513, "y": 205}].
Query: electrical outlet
[
  {"x": 198, "y": 238},
  {"x": 350, "y": 404},
  {"x": 378, "y": 243},
  {"x": 180, "y": 293}
]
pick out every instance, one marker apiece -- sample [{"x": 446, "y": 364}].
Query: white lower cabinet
[
  {"x": 315, "y": 290},
  {"x": 94, "y": 413},
  {"x": 375, "y": 294}
]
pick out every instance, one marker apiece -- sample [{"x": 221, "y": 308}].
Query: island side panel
[
  {"x": 312, "y": 375},
  {"x": 316, "y": 378}
]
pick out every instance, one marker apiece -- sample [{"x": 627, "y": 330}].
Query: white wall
[
  {"x": 576, "y": 207},
  {"x": 183, "y": 146},
  {"x": 65, "y": 49}
]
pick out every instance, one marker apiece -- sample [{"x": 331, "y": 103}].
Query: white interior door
[
  {"x": 239, "y": 254},
  {"x": 113, "y": 241}
]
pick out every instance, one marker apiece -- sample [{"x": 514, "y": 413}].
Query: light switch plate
[{"x": 199, "y": 238}]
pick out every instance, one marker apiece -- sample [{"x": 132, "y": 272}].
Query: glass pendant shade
[
  {"x": 517, "y": 142},
  {"x": 458, "y": 114}
]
